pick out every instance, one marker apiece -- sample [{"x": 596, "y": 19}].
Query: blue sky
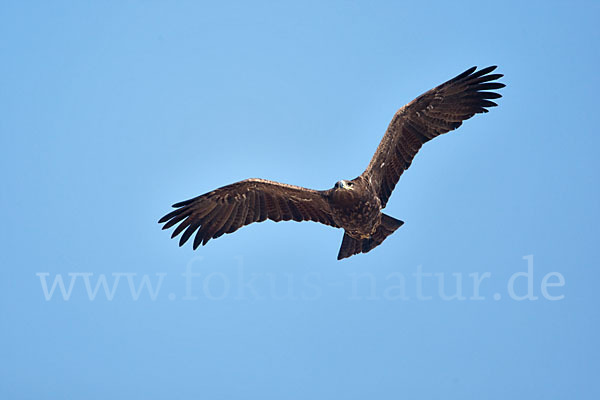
[{"x": 113, "y": 111}]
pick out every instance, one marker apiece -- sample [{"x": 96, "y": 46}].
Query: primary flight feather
[{"x": 353, "y": 205}]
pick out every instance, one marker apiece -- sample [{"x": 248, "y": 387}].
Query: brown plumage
[{"x": 352, "y": 205}]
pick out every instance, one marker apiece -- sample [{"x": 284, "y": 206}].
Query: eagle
[{"x": 353, "y": 205}]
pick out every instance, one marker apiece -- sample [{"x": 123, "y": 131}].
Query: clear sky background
[{"x": 112, "y": 111}]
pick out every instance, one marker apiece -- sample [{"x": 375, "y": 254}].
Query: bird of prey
[{"x": 353, "y": 205}]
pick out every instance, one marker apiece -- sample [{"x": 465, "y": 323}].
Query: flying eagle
[{"x": 354, "y": 205}]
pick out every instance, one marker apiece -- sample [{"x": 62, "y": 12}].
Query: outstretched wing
[
  {"x": 438, "y": 111},
  {"x": 227, "y": 209}
]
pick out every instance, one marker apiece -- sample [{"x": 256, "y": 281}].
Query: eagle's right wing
[
  {"x": 438, "y": 111},
  {"x": 227, "y": 209}
]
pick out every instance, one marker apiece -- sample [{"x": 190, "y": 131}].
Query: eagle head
[{"x": 348, "y": 185}]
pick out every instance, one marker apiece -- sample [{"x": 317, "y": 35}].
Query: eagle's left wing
[
  {"x": 227, "y": 209},
  {"x": 438, "y": 111}
]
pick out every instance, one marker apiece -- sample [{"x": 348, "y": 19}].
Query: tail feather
[{"x": 351, "y": 246}]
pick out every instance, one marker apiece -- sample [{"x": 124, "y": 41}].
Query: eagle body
[{"x": 355, "y": 205}]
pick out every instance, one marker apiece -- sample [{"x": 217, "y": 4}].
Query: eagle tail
[{"x": 351, "y": 246}]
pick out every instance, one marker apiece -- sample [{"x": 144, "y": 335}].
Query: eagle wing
[
  {"x": 227, "y": 209},
  {"x": 437, "y": 111}
]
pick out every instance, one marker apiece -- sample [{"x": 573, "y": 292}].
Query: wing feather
[
  {"x": 273, "y": 212},
  {"x": 436, "y": 112},
  {"x": 262, "y": 207},
  {"x": 225, "y": 228},
  {"x": 286, "y": 215},
  {"x": 252, "y": 209}
]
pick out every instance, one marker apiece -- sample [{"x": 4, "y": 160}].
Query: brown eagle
[{"x": 354, "y": 205}]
